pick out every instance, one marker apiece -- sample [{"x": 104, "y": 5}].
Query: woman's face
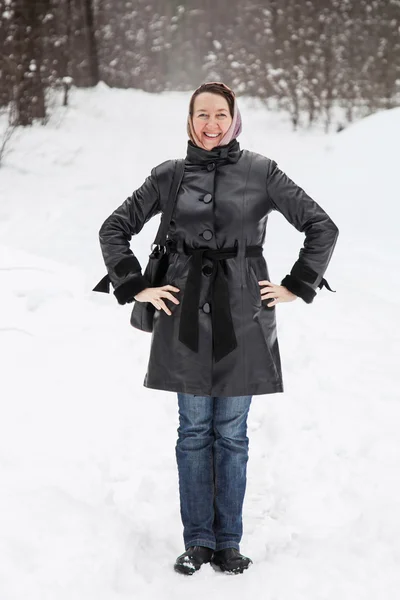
[{"x": 211, "y": 118}]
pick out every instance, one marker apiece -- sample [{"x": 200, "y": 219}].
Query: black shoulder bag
[{"x": 143, "y": 312}]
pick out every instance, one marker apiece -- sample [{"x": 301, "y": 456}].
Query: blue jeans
[{"x": 212, "y": 454}]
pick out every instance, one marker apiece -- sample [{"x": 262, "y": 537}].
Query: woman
[{"x": 214, "y": 338}]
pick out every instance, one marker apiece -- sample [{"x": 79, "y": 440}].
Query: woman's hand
[
  {"x": 154, "y": 295},
  {"x": 279, "y": 293}
]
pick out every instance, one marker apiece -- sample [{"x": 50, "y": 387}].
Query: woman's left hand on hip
[{"x": 278, "y": 293}]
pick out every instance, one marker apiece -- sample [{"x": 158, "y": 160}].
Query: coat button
[
  {"x": 206, "y": 307},
  {"x": 207, "y": 270},
  {"x": 207, "y": 234},
  {"x": 207, "y": 198},
  {"x": 211, "y": 166}
]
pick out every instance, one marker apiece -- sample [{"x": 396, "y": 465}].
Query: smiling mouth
[{"x": 212, "y": 136}]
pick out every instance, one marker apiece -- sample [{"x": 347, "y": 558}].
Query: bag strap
[{"x": 172, "y": 196}]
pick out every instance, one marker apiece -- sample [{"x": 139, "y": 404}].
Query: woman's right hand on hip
[{"x": 155, "y": 295}]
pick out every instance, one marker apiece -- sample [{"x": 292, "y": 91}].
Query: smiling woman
[
  {"x": 214, "y": 118},
  {"x": 217, "y": 346}
]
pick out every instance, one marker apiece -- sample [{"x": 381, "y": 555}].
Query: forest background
[{"x": 308, "y": 58}]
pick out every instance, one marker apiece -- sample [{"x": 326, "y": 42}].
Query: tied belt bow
[{"x": 223, "y": 333}]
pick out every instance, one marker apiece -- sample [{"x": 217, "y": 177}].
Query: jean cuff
[
  {"x": 199, "y": 542},
  {"x": 227, "y": 545}
]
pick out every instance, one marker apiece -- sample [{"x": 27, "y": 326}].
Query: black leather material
[
  {"x": 231, "y": 561},
  {"x": 245, "y": 188},
  {"x": 191, "y": 560},
  {"x": 309, "y": 218}
]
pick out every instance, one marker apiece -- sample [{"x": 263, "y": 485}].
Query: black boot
[
  {"x": 230, "y": 560},
  {"x": 190, "y": 561}
]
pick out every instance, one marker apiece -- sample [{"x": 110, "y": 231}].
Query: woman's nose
[{"x": 212, "y": 123}]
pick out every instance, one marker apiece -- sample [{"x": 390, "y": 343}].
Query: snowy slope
[{"x": 89, "y": 505}]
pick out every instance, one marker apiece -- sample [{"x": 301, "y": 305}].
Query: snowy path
[{"x": 89, "y": 505}]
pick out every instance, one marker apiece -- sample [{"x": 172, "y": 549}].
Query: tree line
[{"x": 305, "y": 57}]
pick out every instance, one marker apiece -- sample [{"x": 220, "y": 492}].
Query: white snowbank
[{"x": 89, "y": 505}]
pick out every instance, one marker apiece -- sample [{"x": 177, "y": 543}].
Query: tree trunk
[
  {"x": 94, "y": 76},
  {"x": 29, "y": 89}
]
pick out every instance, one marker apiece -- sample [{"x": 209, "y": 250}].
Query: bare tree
[
  {"x": 93, "y": 59},
  {"x": 8, "y": 132},
  {"x": 305, "y": 57},
  {"x": 27, "y": 45}
]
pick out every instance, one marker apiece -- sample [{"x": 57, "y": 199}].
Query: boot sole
[
  {"x": 237, "y": 571},
  {"x": 185, "y": 570}
]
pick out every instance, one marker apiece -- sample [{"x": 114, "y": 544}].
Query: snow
[{"x": 89, "y": 506}]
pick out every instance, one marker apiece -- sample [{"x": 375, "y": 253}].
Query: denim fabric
[{"x": 212, "y": 455}]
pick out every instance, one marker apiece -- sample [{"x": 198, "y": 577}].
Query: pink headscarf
[{"x": 234, "y": 129}]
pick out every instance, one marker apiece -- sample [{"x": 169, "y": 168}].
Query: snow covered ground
[{"x": 89, "y": 505}]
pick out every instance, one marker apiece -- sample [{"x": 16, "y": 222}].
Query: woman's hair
[{"x": 214, "y": 88}]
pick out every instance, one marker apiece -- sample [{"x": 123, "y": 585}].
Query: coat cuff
[
  {"x": 297, "y": 287},
  {"x": 129, "y": 264},
  {"x": 127, "y": 291},
  {"x": 304, "y": 272}
]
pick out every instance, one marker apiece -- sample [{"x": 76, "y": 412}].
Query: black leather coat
[{"x": 223, "y": 203}]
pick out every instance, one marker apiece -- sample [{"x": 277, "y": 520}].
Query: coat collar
[{"x": 230, "y": 153}]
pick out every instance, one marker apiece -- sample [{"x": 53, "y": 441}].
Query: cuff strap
[{"x": 103, "y": 285}]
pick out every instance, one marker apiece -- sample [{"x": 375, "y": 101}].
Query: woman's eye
[{"x": 219, "y": 115}]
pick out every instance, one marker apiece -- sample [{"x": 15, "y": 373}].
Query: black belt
[{"x": 223, "y": 333}]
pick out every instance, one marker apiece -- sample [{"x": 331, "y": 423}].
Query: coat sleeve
[
  {"x": 321, "y": 233},
  {"x": 123, "y": 268}
]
